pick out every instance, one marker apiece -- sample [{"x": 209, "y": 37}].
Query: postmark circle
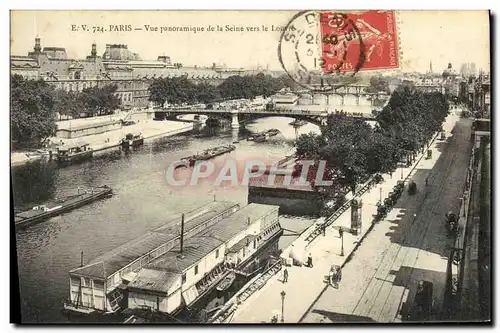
[{"x": 313, "y": 49}]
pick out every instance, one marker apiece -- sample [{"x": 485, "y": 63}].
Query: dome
[{"x": 449, "y": 72}]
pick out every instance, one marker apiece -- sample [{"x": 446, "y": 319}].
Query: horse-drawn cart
[{"x": 412, "y": 188}]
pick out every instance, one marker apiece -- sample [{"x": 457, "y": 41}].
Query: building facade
[{"x": 117, "y": 65}]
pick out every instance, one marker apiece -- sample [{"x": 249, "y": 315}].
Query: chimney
[
  {"x": 182, "y": 233},
  {"x": 248, "y": 221},
  {"x": 107, "y": 54},
  {"x": 81, "y": 259}
]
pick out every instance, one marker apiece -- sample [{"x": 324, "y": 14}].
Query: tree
[
  {"x": 32, "y": 112},
  {"x": 176, "y": 90},
  {"x": 69, "y": 103},
  {"x": 206, "y": 93},
  {"x": 100, "y": 100},
  {"x": 378, "y": 84}
]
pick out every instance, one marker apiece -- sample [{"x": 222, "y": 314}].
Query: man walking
[
  {"x": 310, "y": 261},
  {"x": 285, "y": 276}
]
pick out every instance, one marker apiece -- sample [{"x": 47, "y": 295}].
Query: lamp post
[
  {"x": 341, "y": 234},
  {"x": 380, "y": 195},
  {"x": 283, "y": 306},
  {"x": 402, "y": 172}
]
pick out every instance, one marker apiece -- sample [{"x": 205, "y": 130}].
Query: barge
[
  {"x": 74, "y": 153},
  {"x": 273, "y": 132},
  {"x": 59, "y": 206},
  {"x": 132, "y": 141},
  {"x": 165, "y": 276},
  {"x": 209, "y": 154}
]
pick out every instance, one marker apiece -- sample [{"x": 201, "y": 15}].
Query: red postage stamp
[{"x": 354, "y": 41}]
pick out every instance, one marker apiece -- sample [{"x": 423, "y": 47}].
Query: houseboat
[
  {"x": 184, "y": 276},
  {"x": 73, "y": 153},
  {"x": 209, "y": 153},
  {"x": 58, "y": 206},
  {"x": 132, "y": 141}
]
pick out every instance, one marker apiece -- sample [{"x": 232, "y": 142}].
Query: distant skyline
[{"x": 442, "y": 37}]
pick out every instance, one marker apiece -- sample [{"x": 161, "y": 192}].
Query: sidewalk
[{"x": 306, "y": 284}]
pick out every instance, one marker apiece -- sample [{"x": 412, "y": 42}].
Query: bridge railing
[{"x": 302, "y": 112}]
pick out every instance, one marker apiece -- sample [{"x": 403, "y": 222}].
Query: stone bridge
[{"x": 316, "y": 117}]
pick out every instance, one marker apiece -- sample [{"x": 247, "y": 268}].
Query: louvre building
[{"x": 117, "y": 65}]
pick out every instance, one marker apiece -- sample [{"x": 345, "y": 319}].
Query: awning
[{"x": 190, "y": 295}]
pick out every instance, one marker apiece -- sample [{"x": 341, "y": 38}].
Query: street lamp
[
  {"x": 401, "y": 172},
  {"x": 283, "y": 306},
  {"x": 341, "y": 234}
]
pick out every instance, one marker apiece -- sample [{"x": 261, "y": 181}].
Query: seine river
[{"x": 141, "y": 201}]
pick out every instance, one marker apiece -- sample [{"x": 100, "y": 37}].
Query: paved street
[
  {"x": 374, "y": 279},
  {"x": 409, "y": 246}
]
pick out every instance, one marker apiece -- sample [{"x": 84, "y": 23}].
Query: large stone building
[{"x": 117, "y": 65}]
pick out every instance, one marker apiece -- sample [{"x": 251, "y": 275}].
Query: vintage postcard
[{"x": 251, "y": 166}]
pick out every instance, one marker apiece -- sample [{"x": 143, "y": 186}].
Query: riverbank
[{"x": 149, "y": 129}]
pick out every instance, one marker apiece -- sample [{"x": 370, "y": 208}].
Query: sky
[{"x": 439, "y": 36}]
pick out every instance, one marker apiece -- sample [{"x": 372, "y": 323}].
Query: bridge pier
[{"x": 235, "y": 123}]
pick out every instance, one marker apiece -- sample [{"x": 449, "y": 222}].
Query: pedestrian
[
  {"x": 309, "y": 261},
  {"x": 341, "y": 232},
  {"x": 285, "y": 276},
  {"x": 332, "y": 277}
]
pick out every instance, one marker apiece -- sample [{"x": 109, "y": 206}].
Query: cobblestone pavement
[{"x": 368, "y": 292}]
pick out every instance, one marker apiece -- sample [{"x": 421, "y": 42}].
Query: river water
[{"x": 141, "y": 201}]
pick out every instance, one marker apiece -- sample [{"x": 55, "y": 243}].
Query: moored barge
[
  {"x": 209, "y": 154},
  {"x": 58, "y": 206},
  {"x": 184, "y": 277},
  {"x": 298, "y": 123}
]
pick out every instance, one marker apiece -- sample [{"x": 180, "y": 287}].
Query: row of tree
[
  {"x": 34, "y": 105},
  {"x": 354, "y": 150},
  {"x": 180, "y": 90}
]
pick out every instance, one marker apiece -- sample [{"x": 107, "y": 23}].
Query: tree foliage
[
  {"x": 353, "y": 150},
  {"x": 378, "y": 84},
  {"x": 99, "y": 100},
  {"x": 180, "y": 90},
  {"x": 31, "y": 111}
]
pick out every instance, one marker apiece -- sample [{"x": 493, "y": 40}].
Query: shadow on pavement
[
  {"x": 424, "y": 213},
  {"x": 409, "y": 277},
  {"x": 336, "y": 317}
]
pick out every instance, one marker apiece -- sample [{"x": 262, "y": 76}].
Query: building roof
[
  {"x": 114, "y": 260},
  {"x": 237, "y": 222},
  {"x": 154, "y": 279},
  {"x": 194, "y": 249},
  {"x": 241, "y": 244}
]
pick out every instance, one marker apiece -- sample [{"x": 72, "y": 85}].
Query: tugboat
[
  {"x": 74, "y": 153},
  {"x": 59, "y": 206},
  {"x": 132, "y": 141},
  {"x": 209, "y": 153}
]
